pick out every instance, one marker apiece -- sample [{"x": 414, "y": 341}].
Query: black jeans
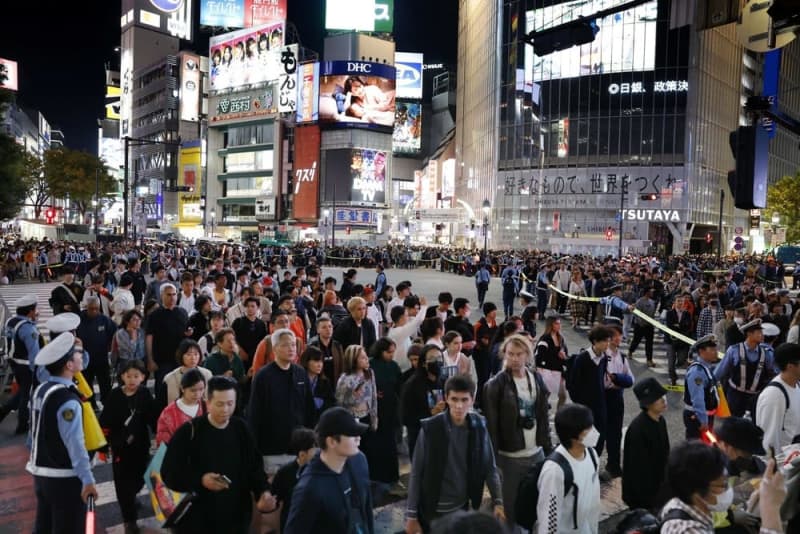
[
  {"x": 643, "y": 331},
  {"x": 615, "y": 411},
  {"x": 128, "y": 481},
  {"x": 21, "y": 400},
  {"x": 101, "y": 372}
]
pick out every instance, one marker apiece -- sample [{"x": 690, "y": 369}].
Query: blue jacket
[{"x": 319, "y": 504}]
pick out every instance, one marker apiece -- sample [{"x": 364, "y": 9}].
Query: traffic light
[
  {"x": 748, "y": 183},
  {"x": 609, "y": 233},
  {"x": 50, "y": 214},
  {"x": 709, "y": 238}
]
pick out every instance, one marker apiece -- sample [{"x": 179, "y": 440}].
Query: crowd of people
[{"x": 282, "y": 390}]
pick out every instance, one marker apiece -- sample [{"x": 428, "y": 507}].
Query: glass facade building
[{"x": 634, "y": 124}]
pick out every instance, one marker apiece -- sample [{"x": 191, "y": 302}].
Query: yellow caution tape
[{"x": 670, "y": 387}]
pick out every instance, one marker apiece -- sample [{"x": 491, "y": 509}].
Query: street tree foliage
[
  {"x": 783, "y": 199},
  {"x": 36, "y": 183},
  {"x": 12, "y": 187},
  {"x": 72, "y": 173}
]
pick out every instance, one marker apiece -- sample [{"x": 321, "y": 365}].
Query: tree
[
  {"x": 74, "y": 173},
  {"x": 13, "y": 190},
  {"x": 783, "y": 199},
  {"x": 36, "y": 183}
]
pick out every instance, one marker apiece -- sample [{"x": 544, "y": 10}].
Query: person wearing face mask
[
  {"x": 422, "y": 395},
  {"x": 576, "y": 510},
  {"x": 733, "y": 335},
  {"x": 698, "y": 477},
  {"x": 740, "y": 440},
  {"x": 646, "y": 448}
]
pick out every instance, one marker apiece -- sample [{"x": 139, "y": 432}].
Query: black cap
[
  {"x": 337, "y": 421},
  {"x": 741, "y": 433},
  {"x": 648, "y": 391}
]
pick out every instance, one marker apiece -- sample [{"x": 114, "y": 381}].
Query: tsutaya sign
[{"x": 652, "y": 215}]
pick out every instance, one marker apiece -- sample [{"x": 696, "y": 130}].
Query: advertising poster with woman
[{"x": 357, "y": 94}]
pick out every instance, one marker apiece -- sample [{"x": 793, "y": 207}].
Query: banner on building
[
  {"x": 287, "y": 80},
  {"x": 190, "y": 87},
  {"x": 357, "y": 94},
  {"x": 9, "y": 69},
  {"x": 306, "y": 172},
  {"x": 308, "y": 92},
  {"x": 409, "y": 74},
  {"x": 246, "y": 57},
  {"x": 190, "y": 178}
]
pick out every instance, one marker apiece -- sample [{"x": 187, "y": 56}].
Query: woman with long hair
[
  {"x": 550, "y": 354},
  {"x": 456, "y": 362},
  {"x": 187, "y": 406},
  {"x": 507, "y": 329},
  {"x": 321, "y": 388},
  {"x": 387, "y": 384},
  {"x": 356, "y": 391},
  {"x": 128, "y": 343}
]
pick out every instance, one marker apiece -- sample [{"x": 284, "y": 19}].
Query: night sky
[{"x": 62, "y": 48}]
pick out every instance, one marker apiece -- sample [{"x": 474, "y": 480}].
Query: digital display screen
[
  {"x": 625, "y": 42},
  {"x": 357, "y": 94},
  {"x": 407, "y": 136},
  {"x": 246, "y": 56}
]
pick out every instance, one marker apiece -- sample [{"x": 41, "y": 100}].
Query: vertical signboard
[
  {"x": 190, "y": 176},
  {"x": 9, "y": 69},
  {"x": 308, "y": 92},
  {"x": 190, "y": 87},
  {"x": 287, "y": 80},
  {"x": 126, "y": 96},
  {"x": 306, "y": 172}
]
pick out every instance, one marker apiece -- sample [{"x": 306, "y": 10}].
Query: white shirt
[
  {"x": 186, "y": 302},
  {"x": 401, "y": 335},
  {"x": 392, "y": 303},
  {"x": 779, "y": 424},
  {"x": 526, "y": 393},
  {"x": 554, "y": 510},
  {"x": 123, "y": 301},
  {"x": 374, "y": 315}
]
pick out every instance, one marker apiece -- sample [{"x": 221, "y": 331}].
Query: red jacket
[{"x": 171, "y": 419}]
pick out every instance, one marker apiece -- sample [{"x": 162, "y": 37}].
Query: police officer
[
  {"x": 57, "y": 325},
  {"x": 700, "y": 396},
  {"x": 66, "y": 297},
  {"x": 59, "y": 463},
  {"x": 509, "y": 279},
  {"x": 746, "y": 368},
  {"x": 613, "y": 305},
  {"x": 529, "y": 312},
  {"x": 23, "y": 343}
]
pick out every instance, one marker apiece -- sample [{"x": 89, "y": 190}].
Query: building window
[
  {"x": 256, "y": 134},
  {"x": 247, "y": 187},
  {"x": 238, "y": 213},
  {"x": 249, "y": 161}
]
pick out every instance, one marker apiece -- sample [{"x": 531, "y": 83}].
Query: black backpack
[{"x": 528, "y": 489}]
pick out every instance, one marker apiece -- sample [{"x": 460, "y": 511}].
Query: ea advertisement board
[
  {"x": 409, "y": 74},
  {"x": 357, "y": 94},
  {"x": 246, "y": 57}
]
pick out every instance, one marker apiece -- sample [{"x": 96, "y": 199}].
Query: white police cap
[
  {"x": 63, "y": 322},
  {"x": 56, "y": 349},
  {"x": 27, "y": 300}
]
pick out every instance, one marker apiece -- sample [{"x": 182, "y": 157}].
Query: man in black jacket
[
  {"x": 516, "y": 405},
  {"x": 356, "y": 329},
  {"x": 680, "y": 320},
  {"x": 460, "y": 323},
  {"x": 454, "y": 458},
  {"x": 280, "y": 401}
]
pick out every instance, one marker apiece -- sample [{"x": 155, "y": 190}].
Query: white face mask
[
  {"x": 591, "y": 439},
  {"x": 724, "y": 501},
  {"x": 738, "y": 320},
  {"x": 666, "y": 404}
]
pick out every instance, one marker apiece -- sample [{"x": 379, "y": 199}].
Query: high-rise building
[{"x": 633, "y": 125}]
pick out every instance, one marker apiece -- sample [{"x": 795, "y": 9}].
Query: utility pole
[
  {"x": 125, "y": 193},
  {"x": 622, "y": 187},
  {"x": 719, "y": 233},
  {"x": 96, "y": 198}
]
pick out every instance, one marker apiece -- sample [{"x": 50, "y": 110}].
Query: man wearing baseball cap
[
  {"x": 746, "y": 369},
  {"x": 333, "y": 493},
  {"x": 59, "y": 463},
  {"x": 22, "y": 342}
]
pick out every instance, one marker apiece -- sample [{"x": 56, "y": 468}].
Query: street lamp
[
  {"x": 326, "y": 212},
  {"x": 486, "y": 208}
]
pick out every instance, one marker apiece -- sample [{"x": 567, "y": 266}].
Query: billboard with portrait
[
  {"x": 360, "y": 15},
  {"x": 306, "y": 172},
  {"x": 241, "y": 13},
  {"x": 409, "y": 74},
  {"x": 245, "y": 57},
  {"x": 356, "y": 175},
  {"x": 407, "y": 135},
  {"x": 9, "y": 69},
  {"x": 190, "y": 87},
  {"x": 625, "y": 42},
  {"x": 308, "y": 92},
  {"x": 357, "y": 94}
]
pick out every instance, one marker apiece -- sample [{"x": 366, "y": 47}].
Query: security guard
[
  {"x": 66, "y": 297},
  {"x": 23, "y": 343},
  {"x": 700, "y": 396},
  {"x": 59, "y": 463},
  {"x": 746, "y": 369}
]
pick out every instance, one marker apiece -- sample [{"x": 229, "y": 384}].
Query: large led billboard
[
  {"x": 357, "y": 94},
  {"x": 360, "y": 15},
  {"x": 306, "y": 172},
  {"x": 173, "y": 17},
  {"x": 409, "y": 74},
  {"x": 356, "y": 175},
  {"x": 241, "y": 13},
  {"x": 245, "y": 57},
  {"x": 190, "y": 87},
  {"x": 190, "y": 176},
  {"x": 9, "y": 69},
  {"x": 625, "y": 42},
  {"x": 407, "y": 135}
]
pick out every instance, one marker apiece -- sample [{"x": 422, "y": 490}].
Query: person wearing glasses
[{"x": 166, "y": 327}]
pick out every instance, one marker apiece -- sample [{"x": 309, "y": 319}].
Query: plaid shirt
[
  {"x": 698, "y": 524},
  {"x": 708, "y": 318}
]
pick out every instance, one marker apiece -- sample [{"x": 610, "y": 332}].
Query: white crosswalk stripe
[{"x": 11, "y": 293}]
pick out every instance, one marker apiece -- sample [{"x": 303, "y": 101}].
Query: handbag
[{"x": 170, "y": 506}]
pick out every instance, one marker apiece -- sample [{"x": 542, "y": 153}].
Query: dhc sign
[{"x": 359, "y": 67}]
